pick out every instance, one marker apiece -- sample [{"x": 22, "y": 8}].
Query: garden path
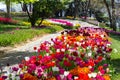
[{"x": 17, "y": 54}]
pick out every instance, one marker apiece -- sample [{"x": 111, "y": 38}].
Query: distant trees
[
  {"x": 79, "y": 8},
  {"x": 46, "y": 8},
  {"x": 8, "y": 6}
]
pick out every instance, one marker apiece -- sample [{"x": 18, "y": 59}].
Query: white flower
[
  {"x": 65, "y": 38},
  {"x": 58, "y": 50},
  {"x": 7, "y": 70},
  {"x": 65, "y": 33},
  {"x": 89, "y": 67},
  {"x": 83, "y": 43},
  {"x": 95, "y": 49},
  {"x": 45, "y": 74},
  {"x": 62, "y": 76},
  {"x": 27, "y": 58},
  {"x": 67, "y": 45},
  {"x": 52, "y": 43},
  {"x": 89, "y": 54},
  {"x": 63, "y": 50},
  {"x": 66, "y": 73},
  {"x": 75, "y": 77},
  {"x": 89, "y": 47},
  {"x": 92, "y": 75},
  {"x": 13, "y": 75},
  {"x": 103, "y": 47},
  {"x": 108, "y": 44},
  {"x": 102, "y": 36},
  {"x": 55, "y": 68},
  {"x": 104, "y": 52},
  {"x": 78, "y": 43},
  {"x": 107, "y": 70},
  {"x": 47, "y": 54}
]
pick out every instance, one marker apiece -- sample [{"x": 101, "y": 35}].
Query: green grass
[
  {"x": 115, "y": 56},
  {"x": 10, "y": 36},
  {"x": 9, "y": 27}
]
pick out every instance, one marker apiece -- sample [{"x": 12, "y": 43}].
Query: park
[{"x": 59, "y": 39}]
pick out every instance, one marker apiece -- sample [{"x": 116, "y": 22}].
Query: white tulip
[
  {"x": 92, "y": 75},
  {"x": 63, "y": 50},
  {"x": 89, "y": 54},
  {"x": 58, "y": 50},
  {"x": 27, "y": 58},
  {"x": 75, "y": 77},
  {"x": 55, "y": 68},
  {"x": 66, "y": 73}
]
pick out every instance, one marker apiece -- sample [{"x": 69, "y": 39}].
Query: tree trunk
[
  {"x": 32, "y": 21},
  {"x": 30, "y": 7},
  {"x": 76, "y": 13},
  {"x": 8, "y": 8},
  {"x": 113, "y": 15},
  {"x": 87, "y": 7},
  {"x": 24, "y": 7},
  {"x": 109, "y": 13},
  {"x": 41, "y": 21}
]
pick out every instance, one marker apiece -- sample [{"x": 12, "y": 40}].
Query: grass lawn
[
  {"x": 116, "y": 56},
  {"x": 12, "y": 34}
]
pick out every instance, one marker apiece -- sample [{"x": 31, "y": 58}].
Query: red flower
[
  {"x": 50, "y": 64},
  {"x": 108, "y": 50},
  {"x": 40, "y": 56},
  {"x": 100, "y": 68},
  {"x": 75, "y": 53},
  {"x": 67, "y": 63},
  {"x": 1, "y": 79},
  {"x": 91, "y": 62},
  {"x": 100, "y": 58},
  {"x": 83, "y": 76},
  {"x": 35, "y": 48}
]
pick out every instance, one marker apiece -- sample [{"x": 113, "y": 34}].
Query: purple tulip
[{"x": 15, "y": 69}]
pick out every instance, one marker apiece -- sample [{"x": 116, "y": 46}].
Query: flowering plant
[
  {"x": 67, "y": 23},
  {"x": 7, "y": 20},
  {"x": 80, "y": 54}
]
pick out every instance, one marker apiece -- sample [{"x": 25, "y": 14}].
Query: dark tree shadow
[
  {"x": 116, "y": 65},
  {"x": 14, "y": 57},
  {"x": 117, "y": 37},
  {"x": 11, "y": 28}
]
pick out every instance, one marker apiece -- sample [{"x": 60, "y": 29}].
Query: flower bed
[
  {"x": 7, "y": 20},
  {"x": 67, "y": 23},
  {"x": 81, "y": 54}
]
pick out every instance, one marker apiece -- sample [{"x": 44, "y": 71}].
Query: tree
[
  {"x": 7, "y": 2},
  {"x": 85, "y": 4},
  {"x": 111, "y": 12},
  {"x": 41, "y": 9},
  {"x": 76, "y": 9}
]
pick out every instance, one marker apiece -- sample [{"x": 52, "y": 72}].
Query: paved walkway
[{"x": 17, "y": 54}]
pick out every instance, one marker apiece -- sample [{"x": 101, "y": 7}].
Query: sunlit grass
[
  {"x": 15, "y": 36},
  {"x": 115, "y": 56}
]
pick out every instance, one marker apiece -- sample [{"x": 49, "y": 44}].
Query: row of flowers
[
  {"x": 65, "y": 22},
  {"x": 7, "y": 20},
  {"x": 81, "y": 54}
]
